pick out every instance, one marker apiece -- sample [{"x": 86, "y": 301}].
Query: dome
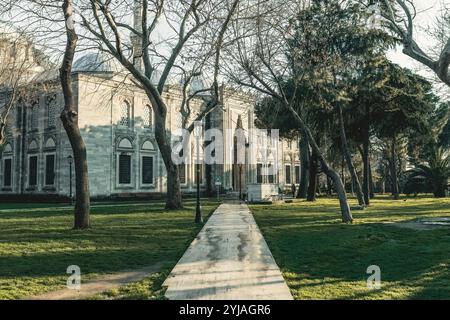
[
  {"x": 96, "y": 62},
  {"x": 197, "y": 84}
]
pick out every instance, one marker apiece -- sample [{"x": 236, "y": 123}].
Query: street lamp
[
  {"x": 197, "y": 134},
  {"x": 70, "y": 161}
]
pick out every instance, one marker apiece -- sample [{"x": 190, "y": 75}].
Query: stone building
[{"x": 116, "y": 122}]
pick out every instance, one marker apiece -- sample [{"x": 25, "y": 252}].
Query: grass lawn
[
  {"x": 37, "y": 244},
  {"x": 321, "y": 258}
]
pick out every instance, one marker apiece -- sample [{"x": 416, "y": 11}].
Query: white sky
[{"x": 427, "y": 11}]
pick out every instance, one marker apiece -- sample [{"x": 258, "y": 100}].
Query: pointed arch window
[
  {"x": 288, "y": 174},
  {"x": 33, "y": 117},
  {"x": 7, "y": 166},
  {"x": 148, "y": 116},
  {"x": 147, "y": 163},
  {"x": 51, "y": 114},
  {"x": 124, "y": 162},
  {"x": 125, "y": 114}
]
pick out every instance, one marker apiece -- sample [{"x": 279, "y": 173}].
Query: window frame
[
  {"x": 33, "y": 117},
  {"x": 271, "y": 178},
  {"x": 297, "y": 173},
  {"x": 149, "y": 120},
  {"x": 130, "y": 115},
  {"x": 30, "y": 186},
  {"x": 51, "y": 114},
  {"x": 286, "y": 166},
  {"x": 259, "y": 173},
  {"x": 47, "y": 154},
  {"x": 119, "y": 184},
  {"x": 11, "y": 174},
  {"x": 184, "y": 166},
  {"x": 141, "y": 169}
]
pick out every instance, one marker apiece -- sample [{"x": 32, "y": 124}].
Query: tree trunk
[
  {"x": 349, "y": 161},
  {"x": 340, "y": 190},
  {"x": 304, "y": 167},
  {"x": 329, "y": 186},
  {"x": 173, "y": 196},
  {"x": 343, "y": 173},
  {"x": 371, "y": 184},
  {"x": 339, "y": 187},
  {"x": 208, "y": 168},
  {"x": 393, "y": 168},
  {"x": 312, "y": 183},
  {"x": 366, "y": 160},
  {"x": 69, "y": 118}
]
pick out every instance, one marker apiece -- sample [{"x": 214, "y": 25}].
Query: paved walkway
[
  {"x": 228, "y": 260},
  {"x": 99, "y": 284}
]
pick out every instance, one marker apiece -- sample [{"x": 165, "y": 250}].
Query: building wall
[
  {"x": 101, "y": 100},
  {"x": 33, "y": 135}
]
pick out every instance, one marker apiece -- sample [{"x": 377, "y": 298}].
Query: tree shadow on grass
[
  {"x": 310, "y": 253},
  {"x": 39, "y": 250}
]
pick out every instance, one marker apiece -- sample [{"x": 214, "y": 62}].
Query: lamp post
[
  {"x": 197, "y": 134},
  {"x": 70, "y": 161}
]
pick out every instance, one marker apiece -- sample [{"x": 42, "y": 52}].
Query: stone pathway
[
  {"x": 229, "y": 260},
  {"x": 99, "y": 285}
]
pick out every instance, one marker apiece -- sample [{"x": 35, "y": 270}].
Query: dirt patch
[{"x": 100, "y": 284}]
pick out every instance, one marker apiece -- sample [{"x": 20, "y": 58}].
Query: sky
[{"x": 427, "y": 11}]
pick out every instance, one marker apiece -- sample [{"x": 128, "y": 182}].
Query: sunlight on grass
[
  {"x": 321, "y": 258},
  {"x": 37, "y": 246}
]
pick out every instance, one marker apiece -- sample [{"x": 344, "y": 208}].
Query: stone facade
[{"x": 116, "y": 122}]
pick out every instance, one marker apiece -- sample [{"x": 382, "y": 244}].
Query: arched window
[
  {"x": 125, "y": 114},
  {"x": 124, "y": 161},
  {"x": 33, "y": 117},
  {"x": 125, "y": 144},
  {"x": 50, "y": 162},
  {"x": 297, "y": 168},
  {"x": 287, "y": 174},
  {"x": 33, "y": 145},
  {"x": 148, "y": 146},
  {"x": 7, "y": 148},
  {"x": 33, "y": 164},
  {"x": 148, "y": 116},
  {"x": 51, "y": 113},
  {"x": 50, "y": 143},
  {"x": 147, "y": 163}
]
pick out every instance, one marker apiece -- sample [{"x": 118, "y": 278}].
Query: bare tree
[
  {"x": 48, "y": 22},
  {"x": 18, "y": 67},
  {"x": 400, "y": 15},
  {"x": 194, "y": 34},
  {"x": 260, "y": 63},
  {"x": 69, "y": 118}
]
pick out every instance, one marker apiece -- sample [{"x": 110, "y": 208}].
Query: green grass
[
  {"x": 37, "y": 244},
  {"x": 146, "y": 289},
  {"x": 321, "y": 258}
]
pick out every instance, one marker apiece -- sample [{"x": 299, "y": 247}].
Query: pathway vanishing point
[{"x": 228, "y": 260}]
